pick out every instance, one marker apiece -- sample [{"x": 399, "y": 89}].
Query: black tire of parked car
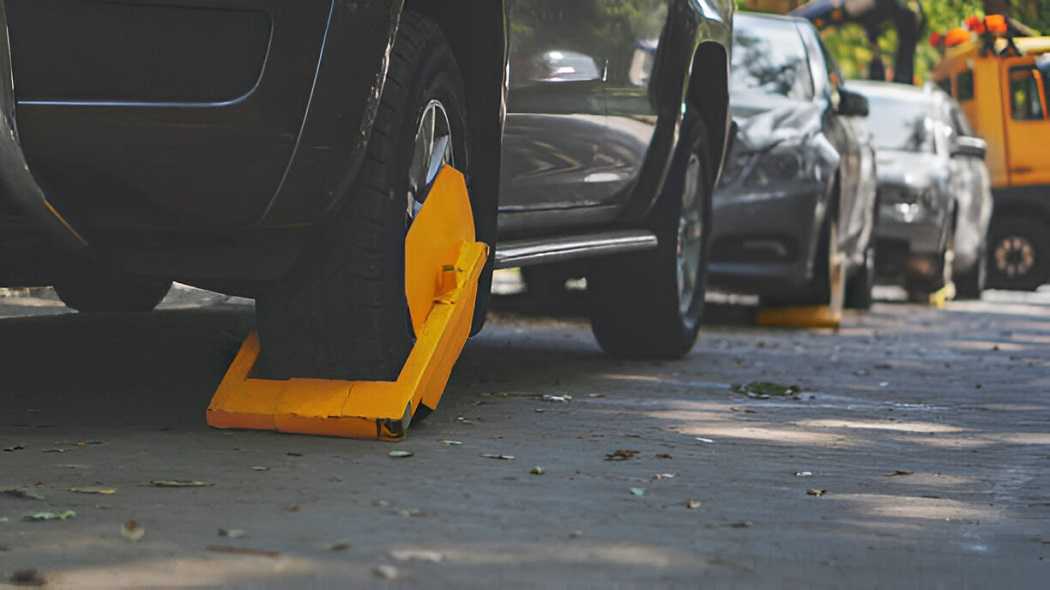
[
  {"x": 1018, "y": 254},
  {"x": 342, "y": 312},
  {"x": 860, "y": 287},
  {"x": 970, "y": 284},
  {"x": 642, "y": 305},
  {"x": 920, "y": 288},
  {"x": 819, "y": 290},
  {"x": 100, "y": 290}
]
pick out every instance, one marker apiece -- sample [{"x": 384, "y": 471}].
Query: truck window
[
  {"x": 964, "y": 86},
  {"x": 1025, "y": 101},
  {"x": 945, "y": 84}
]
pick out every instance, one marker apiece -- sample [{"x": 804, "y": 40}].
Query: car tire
[
  {"x": 920, "y": 288},
  {"x": 110, "y": 291},
  {"x": 970, "y": 284},
  {"x": 342, "y": 312},
  {"x": 650, "y": 304},
  {"x": 860, "y": 288},
  {"x": 820, "y": 290},
  {"x": 1018, "y": 254}
]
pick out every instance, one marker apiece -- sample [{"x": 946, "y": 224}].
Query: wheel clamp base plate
[
  {"x": 443, "y": 264},
  {"x": 811, "y": 316}
]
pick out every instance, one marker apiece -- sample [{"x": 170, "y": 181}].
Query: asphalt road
[{"x": 926, "y": 434}]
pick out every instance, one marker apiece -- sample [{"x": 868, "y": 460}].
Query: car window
[
  {"x": 901, "y": 123},
  {"x": 770, "y": 58},
  {"x": 964, "y": 85},
  {"x": 1025, "y": 103}
]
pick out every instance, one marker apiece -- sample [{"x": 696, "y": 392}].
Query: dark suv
[{"x": 279, "y": 150}]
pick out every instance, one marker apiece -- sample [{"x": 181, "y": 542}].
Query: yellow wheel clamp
[{"x": 443, "y": 263}]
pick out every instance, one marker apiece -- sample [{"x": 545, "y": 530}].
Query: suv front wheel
[{"x": 649, "y": 304}]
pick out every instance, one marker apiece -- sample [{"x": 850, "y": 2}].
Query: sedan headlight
[{"x": 777, "y": 166}]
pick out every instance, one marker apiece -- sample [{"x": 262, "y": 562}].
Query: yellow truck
[{"x": 1004, "y": 90}]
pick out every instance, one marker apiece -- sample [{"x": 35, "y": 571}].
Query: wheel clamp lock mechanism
[{"x": 443, "y": 264}]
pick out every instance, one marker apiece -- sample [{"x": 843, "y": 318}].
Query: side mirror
[
  {"x": 852, "y": 104},
  {"x": 970, "y": 147}
]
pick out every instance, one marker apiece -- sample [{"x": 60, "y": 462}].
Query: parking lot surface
[{"x": 915, "y": 452}]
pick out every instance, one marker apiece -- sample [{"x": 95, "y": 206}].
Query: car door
[
  {"x": 971, "y": 183},
  {"x": 1027, "y": 123},
  {"x": 556, "y": 118},
  {"x": 851, "y": 212}
]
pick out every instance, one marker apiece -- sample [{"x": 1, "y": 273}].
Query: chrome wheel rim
[
  {"x": 432, "y": 149},
  {"x": 1014, "y": 256},
  {"x": 690, "y": 237}
]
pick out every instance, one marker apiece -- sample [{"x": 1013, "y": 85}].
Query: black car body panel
[
  {"x": 177, "y": 151},
  {"x": 794, "y": 160}
]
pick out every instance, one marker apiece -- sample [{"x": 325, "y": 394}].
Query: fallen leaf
[
  {"x": 557, "y": 399},
  {"x": 498, "y": 457},
  {"x": 693, "y": 504},
  {"x": 94, "y": 490},
  {"x": 595, "y": 395},
  {"x": 621, "y": 455},
  {"x": 293, "y": 454},
  {"x": 803, "y": 474},
  {"x": 132, "y": 531},
  {"x": 417, "y": 555},
  {"x": 816, "y": 492},
  {"x": 53, "y": 451},
  {"x": 900, "y": 473},
  {"x": 27, "y": 577},
  {"x": 14, "y": 448},
  {"x": 48, "y": 516},
  {"x": 179, "y": 483},
  {"x": 767, "y": 388},
  {"x": 338, "y": 546},
  {"x": 387, "y": 572},
  {"x": 260, "y": 468},
  {"x": 660, "y": 476},
  {"x": 537, "y": 470},
  {"x": 243, "y": 551},
  {"x": 743, "y": 524},
  {"x": 232, "y": 533},
  {"x": 452, "y": 443},
  {"x": 664, "y": 456},
  {"x": 21, "y": 494},
  {"x": 401, "y": 454},
  {"x": 638, "y": 492}
]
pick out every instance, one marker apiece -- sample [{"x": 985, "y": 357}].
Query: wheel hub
[
  {"x": 1014, "y": 256},
  {"x": 690, "y": 237},
  {"x": 431, "y": 150}
]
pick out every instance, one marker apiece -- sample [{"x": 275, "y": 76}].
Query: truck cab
[{"x": 1004, "y": 93}]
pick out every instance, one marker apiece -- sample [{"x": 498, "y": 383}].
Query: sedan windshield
[
  {"x": 769, "y": 58},
  {"x": 900, "y": 124}
]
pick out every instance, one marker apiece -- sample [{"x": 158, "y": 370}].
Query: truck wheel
[
  {"x": 859, "y": 289},
  {"x": 971, "y": 284},
  {"x": 342, "y": 312},
  {"x": 649, "y": 304},
  {"x": 1019, "y": 254},
  {"x": 820, "y": 290},
  {"x": 106, "y": 291}
]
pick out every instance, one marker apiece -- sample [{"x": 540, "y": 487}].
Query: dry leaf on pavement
[{"x": 132, "y": 531}]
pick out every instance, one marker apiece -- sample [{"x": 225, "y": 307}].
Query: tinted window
[
  {"x": 964, "y": 83},
  {"x": 769, "y": 58},
  {"x": 1025, "y": 103},
  {"x": 900, "y": 123},
  {"x": 945, "y": 84}
]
